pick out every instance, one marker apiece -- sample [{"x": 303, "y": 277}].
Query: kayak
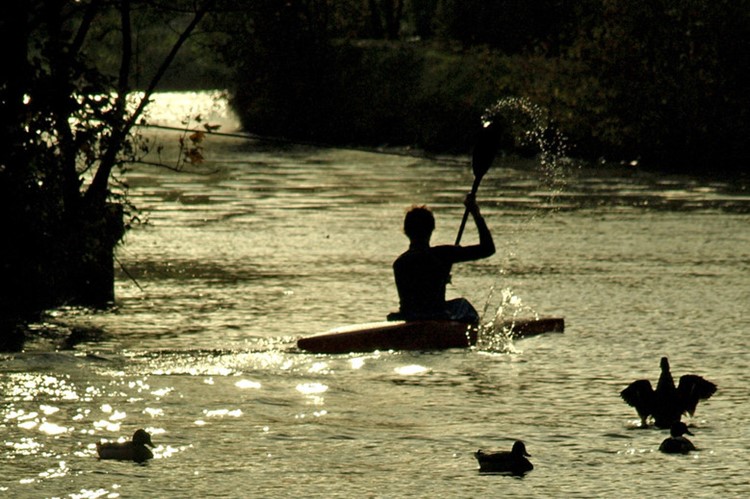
[{"x": 417, "y": 335}]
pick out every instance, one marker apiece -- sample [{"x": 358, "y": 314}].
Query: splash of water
[
  {"x": 530, "y": 128},
  {"x": 500, "y": 312}
]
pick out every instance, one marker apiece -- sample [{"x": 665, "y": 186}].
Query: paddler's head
[{"x": 419, "y": 224}]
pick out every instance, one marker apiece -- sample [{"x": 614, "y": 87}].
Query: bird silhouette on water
[
  {"x": 135, "y": 450},
  {"x": 513, "y": 462},
  {"x": 677, "y": 443},
  {"x": 667, "y": 403}
]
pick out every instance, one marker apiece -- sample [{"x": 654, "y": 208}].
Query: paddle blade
[
  {"x": 486, "y": 146},
  {"x": 488, "y": 142}
]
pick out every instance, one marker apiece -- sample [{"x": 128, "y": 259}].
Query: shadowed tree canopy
[{"x": 657, "y": 81}]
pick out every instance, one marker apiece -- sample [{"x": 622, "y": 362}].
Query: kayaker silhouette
[{"x": 423, "y": 271}]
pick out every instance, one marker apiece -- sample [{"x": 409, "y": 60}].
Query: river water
[{"x": 267, "y": 243}]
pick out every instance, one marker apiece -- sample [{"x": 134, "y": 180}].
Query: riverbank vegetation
[
  {"x": 657, "y": 82},
  {"x": 67, "y": 131}
]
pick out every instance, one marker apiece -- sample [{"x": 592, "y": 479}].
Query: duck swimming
[
  {"x": 135, "y": 450},
  {"x": 667, "y": 404},
  {"x": 514, "y": 462},
  {"x": 676, "y": 443}
]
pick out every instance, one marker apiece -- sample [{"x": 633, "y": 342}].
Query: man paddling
[{"x": 423, "y": 271}]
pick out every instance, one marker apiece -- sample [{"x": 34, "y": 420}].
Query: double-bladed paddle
[{"x": 482, "y": 157}]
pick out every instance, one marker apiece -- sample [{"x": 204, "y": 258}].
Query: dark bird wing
[
  {"x": 692, "y": 389},
  {"x": 640, "y": 394}
]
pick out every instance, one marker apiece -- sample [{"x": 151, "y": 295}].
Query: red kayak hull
[{"x": 416, "y": 335}]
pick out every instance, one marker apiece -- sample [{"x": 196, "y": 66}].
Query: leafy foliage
[
  {"x": 66, "y": 126},
  {"x": 659, "y": 81}
]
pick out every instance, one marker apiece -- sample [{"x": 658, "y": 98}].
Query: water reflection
[
  {"x": 246, "y": 383},
  {"x": 411, "y": 370},
  {"x": 221, "y": 413},
  {"x": 179, "y": 109}
]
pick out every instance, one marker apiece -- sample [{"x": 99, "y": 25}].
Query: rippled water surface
[{"x": 268, "y": 243}]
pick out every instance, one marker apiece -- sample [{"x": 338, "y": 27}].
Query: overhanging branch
[{"x": 98, "y": 189}]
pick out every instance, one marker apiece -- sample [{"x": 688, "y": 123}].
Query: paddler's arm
[{"x": 486, "y": 246}]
